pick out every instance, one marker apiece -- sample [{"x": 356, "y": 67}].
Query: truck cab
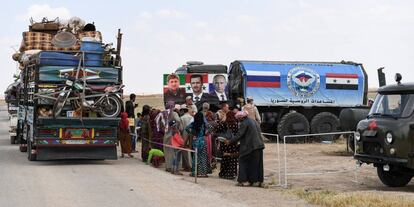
[{"x": 386, "y": 137}]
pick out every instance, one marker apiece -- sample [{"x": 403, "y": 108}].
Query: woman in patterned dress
[
  {"x": 196, "y": 131},
  {"x": 228, "y": 168},
  {"x": 145, "y": 133},
  {"x": 157, "y": 135}
]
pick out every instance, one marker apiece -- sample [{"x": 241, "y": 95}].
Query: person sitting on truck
[
  {"x": 251, "y": 110},
  {"x": 123, "y": 135}
]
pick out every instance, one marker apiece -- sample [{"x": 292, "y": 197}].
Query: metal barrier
[
  {"x": 278, "y": 156},
  {"x": 285, "y": 184},
  {"x": 179, "y": 148}
]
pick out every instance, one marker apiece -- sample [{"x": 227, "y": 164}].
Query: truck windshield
[{"x": 394, "y": 105}]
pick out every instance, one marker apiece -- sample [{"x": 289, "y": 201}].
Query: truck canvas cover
[{"x": 300, "y": 83}]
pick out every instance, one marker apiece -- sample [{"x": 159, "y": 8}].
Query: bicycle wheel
[{"x": 60, "y": 103}]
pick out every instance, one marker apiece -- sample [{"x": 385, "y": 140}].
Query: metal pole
[
  {"x": 278, "y": 160},
  {"x": 356, "y": 164},
  {"x": 284, "y": 145},
  {"x": 196, "y": 165}
]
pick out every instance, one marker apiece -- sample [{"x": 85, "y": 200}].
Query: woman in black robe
[{"x": 251, "y": 151}]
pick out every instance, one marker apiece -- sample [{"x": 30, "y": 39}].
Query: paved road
[{"x": 124, "y": 182}]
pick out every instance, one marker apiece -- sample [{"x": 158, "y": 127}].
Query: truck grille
[{"x": 372, "y": 148}]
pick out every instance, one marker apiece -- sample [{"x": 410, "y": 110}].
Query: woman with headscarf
[
  {"x": 196, "y": 131},
  {"x": 123, "y": 135},
  {"x": 251, "y": 151},
  {"x": 210, "y": 125},
  {"x": 157, "y": 135},
  {"x": 230, "y": 152},
  {"x": 145, "y": 133},
  {"x": 163, "y": 120}
]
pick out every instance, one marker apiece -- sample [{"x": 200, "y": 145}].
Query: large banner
[
  {"x": 199, "y": 87},
  {"x": 305, "y": 84}
]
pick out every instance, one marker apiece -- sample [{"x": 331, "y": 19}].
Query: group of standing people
[{"x": 229, "y": 134}]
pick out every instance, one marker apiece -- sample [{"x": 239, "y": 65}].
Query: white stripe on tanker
[{"x": 350, "y": 81}]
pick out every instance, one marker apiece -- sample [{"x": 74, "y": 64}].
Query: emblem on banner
[{"x": 303, "y": 82}]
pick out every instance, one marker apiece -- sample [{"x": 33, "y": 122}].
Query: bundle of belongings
[{"x": 55, "y": 39}]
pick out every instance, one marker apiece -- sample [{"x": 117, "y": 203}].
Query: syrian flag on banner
[
  {"x": 341, "y": 81},
  {"x": 205, "y": 81}
]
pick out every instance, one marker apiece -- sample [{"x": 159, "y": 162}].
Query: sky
[{"x": 161, "y": 35}]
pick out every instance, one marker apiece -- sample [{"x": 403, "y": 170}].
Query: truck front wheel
[
  {"x": 393, "y": 178},
  {"x": 292, "y": 123}
]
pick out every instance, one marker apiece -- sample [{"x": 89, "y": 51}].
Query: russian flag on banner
[
  {"x": 263, "y": 79},
  {"x": 341, "y": 81}
]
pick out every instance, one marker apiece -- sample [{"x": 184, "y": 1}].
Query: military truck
[
  {"x": 70, "y": 94},
  {"x": 292, "y": 97},
  {"x": 386, "y": 137}
]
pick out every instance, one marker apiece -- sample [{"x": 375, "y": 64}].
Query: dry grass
[
  {"x": 155, "y": 101},
  {"x": 364, "y": 199}
]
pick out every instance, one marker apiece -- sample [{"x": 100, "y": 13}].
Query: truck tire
[
  {"x": 30, "y": 155},
  {"x": 325, "y": 122},
  {"x": 292, "y": 123},
  {"x": 393, "y": 178}
]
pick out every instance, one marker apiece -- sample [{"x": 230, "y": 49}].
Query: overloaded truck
[
  {"x": 70, "y": 94},
  {"x": 292, "y": 97},
  {"x": 385, "y": 138},
  {"x": 10, "y": 96}
]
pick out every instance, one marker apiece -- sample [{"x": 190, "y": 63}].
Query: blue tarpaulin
[{"x": 303, "y": 83}]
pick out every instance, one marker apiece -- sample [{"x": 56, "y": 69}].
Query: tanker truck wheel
[
  {"x": 325, "y": 122},
  {"x": 393, "y": 178},
  {"x": 293, "y": 123}
]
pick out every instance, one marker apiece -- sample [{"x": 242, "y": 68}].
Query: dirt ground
[{"x": 310, "y": 166}]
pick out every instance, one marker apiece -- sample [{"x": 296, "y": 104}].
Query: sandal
[
  {"x": 257, "y": 184},
  {"x": 242, "y": 184}
]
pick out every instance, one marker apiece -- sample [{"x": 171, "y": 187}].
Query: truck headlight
[
  {"x": 389, "y": 138},
  {"x": 357, "y": 136}
]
